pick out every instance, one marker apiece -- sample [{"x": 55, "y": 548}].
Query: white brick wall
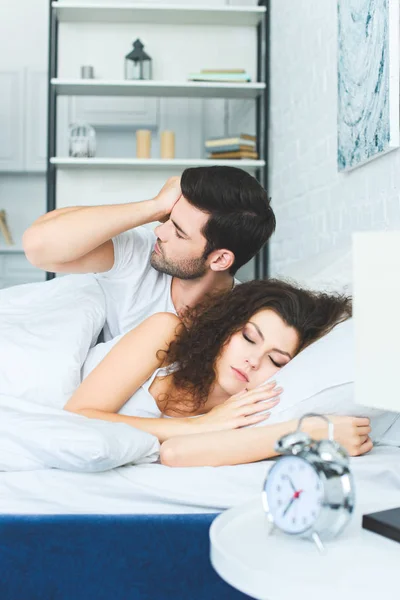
[{"x": 317, "y": 208}]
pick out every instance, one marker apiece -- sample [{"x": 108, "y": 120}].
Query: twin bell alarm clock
[{"x": 309, "y": 491}]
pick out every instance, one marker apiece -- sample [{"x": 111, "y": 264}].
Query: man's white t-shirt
[{"x": 132, "y": 288}]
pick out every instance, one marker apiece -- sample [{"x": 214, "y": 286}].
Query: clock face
[{"x": 295, "y": 494}]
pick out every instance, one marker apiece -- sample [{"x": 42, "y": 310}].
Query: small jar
[
  {"x": 143, "y": 143},
  {"x": 167, "y": 144}
]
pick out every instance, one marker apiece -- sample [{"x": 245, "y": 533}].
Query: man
[{"x": 215, "y": 219}]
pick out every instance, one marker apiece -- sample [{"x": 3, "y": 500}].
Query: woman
[{"x": 215, "y": 369}]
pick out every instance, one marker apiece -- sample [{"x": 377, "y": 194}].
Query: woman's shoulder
[
  {"x": 163, "y": 325},
  {"x": 159, "y": 326},
  {"x": 164, "y": 318}
]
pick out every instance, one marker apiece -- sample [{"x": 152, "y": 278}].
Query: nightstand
[{"x": 358, "y": 565}]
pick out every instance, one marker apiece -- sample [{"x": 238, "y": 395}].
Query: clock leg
[
  {"x": 268, "y": 526},
  {"x": 317, "y": 541}
]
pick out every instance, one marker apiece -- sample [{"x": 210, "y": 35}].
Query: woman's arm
[
  {"x": 240, "y": 446},
  {"x": 125, "y": 368},
  {"x": 220, "y": 448}
]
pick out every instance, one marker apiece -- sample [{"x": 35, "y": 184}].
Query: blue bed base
[{"x": 109, "y": 557}]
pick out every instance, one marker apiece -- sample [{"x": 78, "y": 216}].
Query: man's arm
[
  {"x": 78, "y": 239},
  {"x": 245, "y": 445}
]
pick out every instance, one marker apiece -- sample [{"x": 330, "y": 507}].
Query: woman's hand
[
  {"x": 350, "y": 432},
  {"x": 240, "y": 410}
]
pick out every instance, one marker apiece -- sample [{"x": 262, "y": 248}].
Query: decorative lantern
[
  {"x": 82, "y": 140},
  {"x": 137, "y": 63}
]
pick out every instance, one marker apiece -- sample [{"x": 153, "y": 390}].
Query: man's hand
[
  {"x": 351, "y": 432},
  {"x": 168, "y": 196}
]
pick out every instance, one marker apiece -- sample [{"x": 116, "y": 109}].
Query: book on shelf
[
  {"x": 238, "y": 154},
  {"x": 221, "y": 77},
  {"x": 222, "y": 71},
  {"x": 231, "y": 148},
  {"x": 241, "y": 139}
]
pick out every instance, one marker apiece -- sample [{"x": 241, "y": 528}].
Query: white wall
[
  {"x": 24, "y": 33},
  {"x": 23, "y": 48},
  {"x": 317, "y": 208}
]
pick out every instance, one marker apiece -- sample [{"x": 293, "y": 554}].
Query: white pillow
[
  {"x": 321, "y": 379},
  {"x": 38, "y": 437},
  {"x": 46, "y": 330},
  {"x": 329, "y": 271}
]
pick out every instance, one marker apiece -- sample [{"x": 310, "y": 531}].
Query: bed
[
  {"x": 118, "y": 557},
  {"x": 99, "y": 517},
  {"x": 133, "y": 532},
  {"x": 137, "y": 531}
]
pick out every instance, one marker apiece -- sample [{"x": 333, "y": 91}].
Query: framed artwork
[{"x": 368, "y": 80}]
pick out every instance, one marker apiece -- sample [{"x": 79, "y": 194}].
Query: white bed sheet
[{"x": 154, "y": 488}]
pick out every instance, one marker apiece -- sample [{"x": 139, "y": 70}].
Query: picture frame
[{"x": 368, "y": 80}]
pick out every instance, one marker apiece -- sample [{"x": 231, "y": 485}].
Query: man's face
[{"x": 180, "y": 244}]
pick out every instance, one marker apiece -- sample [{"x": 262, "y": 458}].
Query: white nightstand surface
[{"x": 358, "y": 565}]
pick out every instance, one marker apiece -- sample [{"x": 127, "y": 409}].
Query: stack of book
[
  {"x": 242, "y": 145},
  {"x": 224, "y": 75}
]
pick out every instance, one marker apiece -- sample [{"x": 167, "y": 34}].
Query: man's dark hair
[{"x": 241, "y": 217}]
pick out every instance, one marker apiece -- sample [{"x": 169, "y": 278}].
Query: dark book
[
  {"x": 239, "y": 154},
  {"x": 384, "y": 522},
  {"x": 231, "y": 148}
]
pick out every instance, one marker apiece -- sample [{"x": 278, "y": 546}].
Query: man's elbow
[{"x": 33, "y": 248}]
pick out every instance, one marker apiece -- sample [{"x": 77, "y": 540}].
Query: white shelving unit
[
  {"x": 113, "y": 12},
  {"x": 163, "y": 14},
  {"x": 150, "y": 163},
  {"x": 166, "y": 89}
]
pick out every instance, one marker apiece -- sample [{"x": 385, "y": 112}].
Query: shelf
[
  {"x": 167, "y": 14},
  {"x": 189, "y": 89},
  {"x": 11, "y": 251},
  {"x": 150, "y": 163}
]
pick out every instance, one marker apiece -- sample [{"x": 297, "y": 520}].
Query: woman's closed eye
[
  {"x": 246, "y": 337},
  {"x": 276, "y": 364}
]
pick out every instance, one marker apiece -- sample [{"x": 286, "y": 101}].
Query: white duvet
[
  {"x": 154, "y": 488},
  {"x": 46, "y": 331}
]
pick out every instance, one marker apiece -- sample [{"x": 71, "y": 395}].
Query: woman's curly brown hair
[{"x": 211, "y": 325}]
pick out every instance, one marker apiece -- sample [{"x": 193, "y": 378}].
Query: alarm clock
[{"x": 309, "y": 491}]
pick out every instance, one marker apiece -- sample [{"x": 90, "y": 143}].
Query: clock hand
[
  {"x": 292, "y": 499},
  {"x": 295, "y": 496},
  {"x": 291, "y": 482}
]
